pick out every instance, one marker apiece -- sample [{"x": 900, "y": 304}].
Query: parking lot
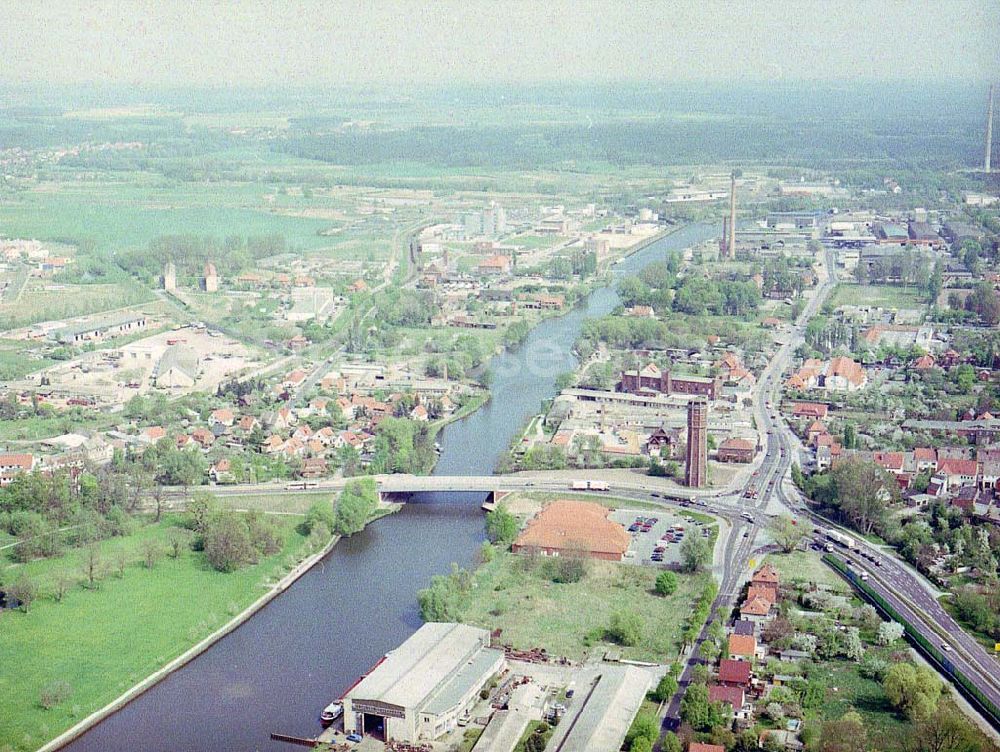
[{"x": 657, "y": 536}]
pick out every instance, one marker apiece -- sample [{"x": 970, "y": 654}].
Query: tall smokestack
[
  {"x": 724, "y": 240},
  {"x": 732, "y": 215},
  {"x": 989, "y": 132}
]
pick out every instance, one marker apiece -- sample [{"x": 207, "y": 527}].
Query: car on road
[
  {"x": 354, "y": 738},
  {"x": 946, "y": 647}
]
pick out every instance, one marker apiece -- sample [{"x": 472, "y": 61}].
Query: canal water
[{"x": 278, "y": 670}]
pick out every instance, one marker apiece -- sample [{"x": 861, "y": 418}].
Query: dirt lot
[{"x": 106, "y": 374}]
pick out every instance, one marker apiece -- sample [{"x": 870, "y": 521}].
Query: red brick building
[{"x": 652, "y": 380}]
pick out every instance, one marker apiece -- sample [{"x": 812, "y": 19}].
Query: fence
[{"x": 965, "y": 686}]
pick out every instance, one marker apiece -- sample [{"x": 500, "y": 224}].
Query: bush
[
  {"x": 566, "y": 569},
  {"x": 625, "y": 628},
  {"x": 54, "y": 693},
  {"x": 666, "y": 583},
  {"x": 319, "y": 515}
]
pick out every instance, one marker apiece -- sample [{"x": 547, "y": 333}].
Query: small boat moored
[{"x": 331, "y": 712}]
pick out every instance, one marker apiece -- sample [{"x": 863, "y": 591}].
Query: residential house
[
  {"x": 734, "y": 673},
  {"x": 203, "y": 437},
  {"x": 223, "y": 416},
  {"x": 741, "y": 646},
  {"x": 816, "y": 410},
  {"x": 13, "y": 464},
  {"x": 957, "y": 473},
  {"x": 221, "y": 471}
]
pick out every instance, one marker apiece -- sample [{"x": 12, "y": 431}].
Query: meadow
[
  {"x": 150, "y": 615},
  {"x": 884, "y": 296},
  {"x": 513, "y": 594}
]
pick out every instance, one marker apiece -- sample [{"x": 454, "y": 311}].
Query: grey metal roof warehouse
[{"x": 432, "y": 670}]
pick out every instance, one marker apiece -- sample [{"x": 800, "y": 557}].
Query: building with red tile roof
[
  {"x": 744, "y": 646},
  {"x": 726, "y": 695},
  {"x": 734, "y": 673},
  {"x": 702, "y": 747},
  {"x": 736, "y": 450},
  {"x": 567, "y": 527},
  {"x": 809, "y": 410}
]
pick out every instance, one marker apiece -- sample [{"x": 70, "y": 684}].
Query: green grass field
[
  {"x": 847, "y": 690},
  {"x": 45, "y": 426},
  {"x": 802, "y": 566},
  {"x": 508, "y": 593},
  {"x": 116, "y": 216},
  {"x": 38, "y": 304},
  {"x": 149, "y": 616},
  {"x": 16, "y": 360},
  {"x": 877, "y": 295}
]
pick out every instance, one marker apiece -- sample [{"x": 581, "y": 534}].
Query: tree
[
  {"x": 670, "y": 743},
  {"x": 788, "y": 533},
  {"x": 853, "y": 648},
  {"x": 24, "y": 590},
  {"x": 321, "y": 516},
  {"x": 847, "y": 734},
  {"x": 934, "y": 283},
  {"x": 913, "y": 690},
  {"x": 666, "y": 583},
  {"x": 644, "y": 727},
  {"x": 626, "y": 628},
  {"x": 709, "y": 650},
  {"x": 151, "y": 553},
  {"x": 695, "y": 707},
  {"x": 121, "y": 561},
  {"x": 641, "y": 744},
  {"x": 61, "y": 582},
  {"x": 983, "y": 301},
  {"x": 356, "y": 505},
  {"x": 696, "y": 553},
  {"x": 889, "y": 632},
  {"x": 91, "y": 563},
  {"x": 200, "y": 509},
  {"x": 665, "y": 688},
  {"x": 177, "y": 540},
  {"x": 501, "y": 525},
  {"x": 944, "y": 730},
  {"x": 227, "y": 542},
  {"x": 863, "y": 492}
]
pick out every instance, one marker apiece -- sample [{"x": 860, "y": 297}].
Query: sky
[{"x": 216, "y": 43}]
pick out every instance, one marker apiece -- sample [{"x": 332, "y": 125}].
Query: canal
[{"x": 278, "y": 670}]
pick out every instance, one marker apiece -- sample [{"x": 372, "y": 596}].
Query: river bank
[
  {"x": 276, "y": 671},
  {"x": 161, "y": 572}
]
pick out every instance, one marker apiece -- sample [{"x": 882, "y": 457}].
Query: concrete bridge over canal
[{"x": 620, "y": 483}]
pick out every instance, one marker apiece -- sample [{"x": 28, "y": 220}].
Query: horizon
[{"x": 252, "y": 44}]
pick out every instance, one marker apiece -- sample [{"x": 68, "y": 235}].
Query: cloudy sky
[{"x": 298, "y": 42}]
